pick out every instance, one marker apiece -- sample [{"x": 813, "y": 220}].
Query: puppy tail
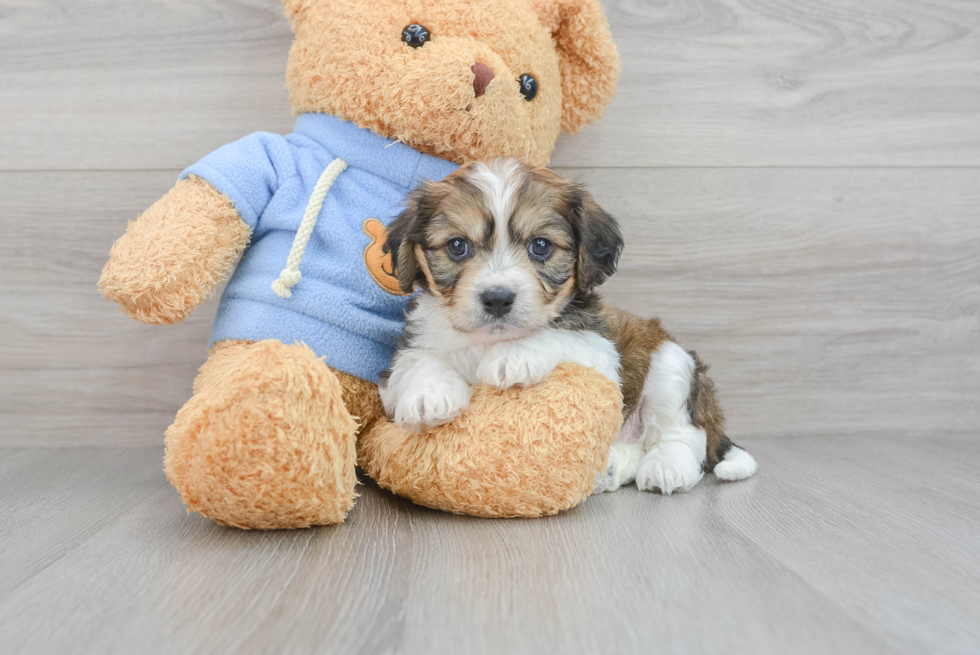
[
  {"x": 733, "y": 462},
  {"x": 724, "y": 458}
]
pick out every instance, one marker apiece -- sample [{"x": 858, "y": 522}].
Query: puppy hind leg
[
  {"x": 668, "y": 467},
  {"x": 675, "y": 448}
]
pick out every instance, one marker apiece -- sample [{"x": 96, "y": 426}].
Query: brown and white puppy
[{"x": 507, "y": 258}]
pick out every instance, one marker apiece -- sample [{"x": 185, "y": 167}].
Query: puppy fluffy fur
[{"x": 507, "y": 258}]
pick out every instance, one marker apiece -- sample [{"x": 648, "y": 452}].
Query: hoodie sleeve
[{"x": 248, "y": 171}]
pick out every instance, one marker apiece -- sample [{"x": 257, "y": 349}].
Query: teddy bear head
[{"x": 458, "y": 79}]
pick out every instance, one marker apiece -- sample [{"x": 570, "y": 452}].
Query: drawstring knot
[
  {"x": 290, "y": 276},
  {"x": 286, "y": 280}
]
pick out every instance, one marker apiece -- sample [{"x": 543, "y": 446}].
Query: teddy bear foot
[{"x": 266, "y": 441}]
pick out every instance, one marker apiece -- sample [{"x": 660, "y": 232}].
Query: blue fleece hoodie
[{"x": 337, "y": 309}]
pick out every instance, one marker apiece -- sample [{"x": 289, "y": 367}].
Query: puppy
[{"x": 507, "y": 259}]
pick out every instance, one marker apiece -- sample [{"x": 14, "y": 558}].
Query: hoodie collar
[{"x": 361, "y": 148}]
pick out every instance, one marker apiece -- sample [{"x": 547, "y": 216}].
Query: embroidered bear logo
[{"x": 377, "y": 262}]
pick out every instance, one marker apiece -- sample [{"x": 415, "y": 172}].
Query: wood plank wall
[{"x": 799, "y": 183}]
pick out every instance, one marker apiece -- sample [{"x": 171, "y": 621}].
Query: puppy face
[{"x": 503, "y": 247}]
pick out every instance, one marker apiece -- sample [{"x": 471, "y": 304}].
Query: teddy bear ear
[
  {"x": 587, "y": 58},
  {"x": 294, "y": 8}
]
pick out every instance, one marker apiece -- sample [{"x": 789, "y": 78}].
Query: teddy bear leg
[{"x": 266, "y": 441}]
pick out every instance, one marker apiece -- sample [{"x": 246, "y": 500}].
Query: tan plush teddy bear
[{"x": 388, "y": 93}]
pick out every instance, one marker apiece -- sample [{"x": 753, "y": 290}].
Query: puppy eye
[
  {"x": 416, "y": 35},
  {"x": 529, "y": 87},
  {"x": 458, "y": 248},
  {"x": 540, "y": 249}
]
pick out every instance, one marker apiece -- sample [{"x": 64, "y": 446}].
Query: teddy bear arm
[
  {"x": 518, "y": 452},
  {"x": 175, "y": 254}
]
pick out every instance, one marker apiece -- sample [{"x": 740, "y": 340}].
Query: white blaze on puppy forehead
[{"x": 500, "y": 180}]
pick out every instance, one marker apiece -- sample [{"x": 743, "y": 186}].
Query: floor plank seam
[
  {"x": 8, "y": 594},
  {"x": 283, "y": 588}
]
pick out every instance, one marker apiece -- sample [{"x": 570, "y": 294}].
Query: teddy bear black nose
[{"x": 482, "y": 76}]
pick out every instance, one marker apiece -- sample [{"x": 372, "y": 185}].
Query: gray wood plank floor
[{"x": 841, "y": 545}]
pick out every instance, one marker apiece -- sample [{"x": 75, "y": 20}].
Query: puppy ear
[
  {"x": 587, "y": 58},
  {"x": 408, "y": 231},
  {"x": 599, "y": 240}
]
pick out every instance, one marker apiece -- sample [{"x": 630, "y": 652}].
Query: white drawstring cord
[{"x": 290, "y": 275}]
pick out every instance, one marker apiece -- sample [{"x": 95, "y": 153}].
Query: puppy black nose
[{"x": 497, "y": 301}]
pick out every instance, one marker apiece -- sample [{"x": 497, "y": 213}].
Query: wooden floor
[
  {"x": 799, "y": 185},
  {"x": 840, "y": 545}
]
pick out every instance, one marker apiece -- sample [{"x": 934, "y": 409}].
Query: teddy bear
[{"x": 387, "y": 94}]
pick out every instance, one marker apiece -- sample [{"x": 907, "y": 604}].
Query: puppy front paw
[
  {"x": 608, "y": 480},
  {"x": 669, "y": 467},
  {"x": 432, "y": 403},
  {"x": 620, "y": 467},
  {"x": 515, "y": 362}
]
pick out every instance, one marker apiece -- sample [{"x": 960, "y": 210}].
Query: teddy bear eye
[
  {"x": 416, "y": 35},
  {"x": 529, "y": 87}
]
